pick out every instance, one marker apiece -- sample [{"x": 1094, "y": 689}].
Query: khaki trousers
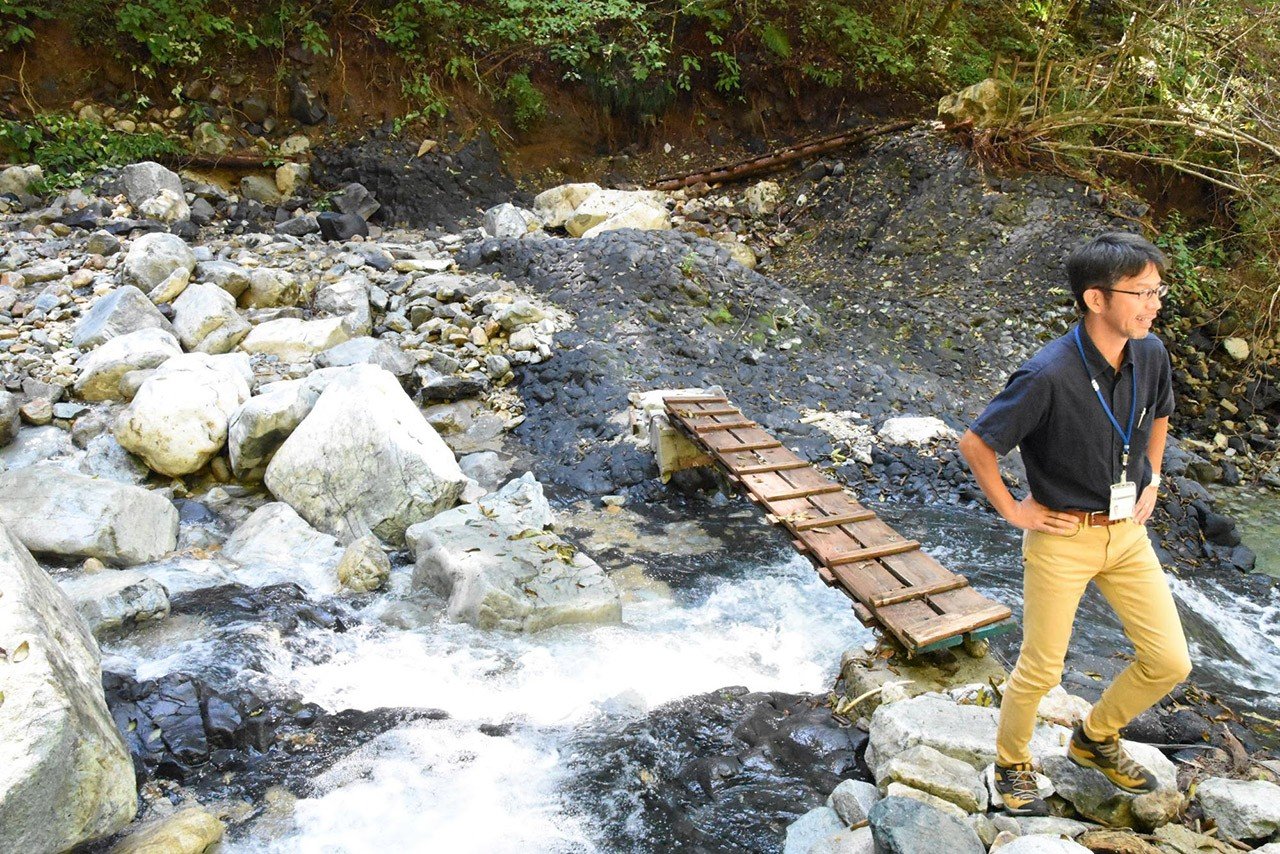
[{"x": 1119, "y": 559}]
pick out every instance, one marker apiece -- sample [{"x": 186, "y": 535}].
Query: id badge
[{"x": 1123, "y": 496}]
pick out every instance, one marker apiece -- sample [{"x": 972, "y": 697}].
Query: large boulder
[
  {"x": 1242, "y": 809},
  {"x": 177, "y": 422},
  {"x": 153, "y": 258},
  {"x": 269, "y": 287},
  {"x": 10, "y": 417},
  {"x": 642, "y": 216},
  {"x": 600, "y": 207},
  {"x": 65, "y": 775},
  {"x": 56, "y": 511},
  {"x": 1097, "y": 798},
  {"x": 206, "y": 320},
  {"x": 191, "y": 830},
  {"x": 556, "y": 205},
  {"x": 924, "y": 768},
  {"x": 365, "y": 460},
  {"x": 275, "y": 545},
  {"x": 122, "y": 311},
  {"x": 508, "y": 221},
  {"x": 908, "y": 826},
  {"x": 155, "y": 191},
  {"x": 294, "y": 340},
  {"x": 261, "y": 425},
  {"x": 366, "y": 350},
  {"x": 985, "y": 103},
  {"x": 101, "y": 369},
  {"x": 499, "y": 567},
  {"x": 111, "y": 603}
]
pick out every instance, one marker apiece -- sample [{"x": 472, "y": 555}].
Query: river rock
[
  {"x": 206, "y": 319},
  {"x": 366, "y": 350},
  {"x": 34, "y": 445},
  {"x": 294, "y": 340},
  {"x": 922, "y": 767},
  {"x": 340, "y": 226},
  {"x": 964, "y": 732},
  {"x": 365, "y": 460},
  {"x": 10, "y": 418},
  {"x": 860, "y": 841},
  {"x": 261, "y": 189},
  {"x": 104, "y": 458},
  {"x": 556, "y": 205},
  {"x": 191, "y": 830},
  {"x": 153, "y": 258},
  {"x": 1242, "y": 809},
  {"x": 275, "y": 545},
  {"x": 852, "y": 800},
  {"x": 232, "y": 278},
  {"x": 258, "y": 428},
  {"x": 348, "y": 294},
  {"x": 178, "y": 420},
  {"x": 908, "y": 826},
  {"x": 101, "y": 369},
  {"x": 169, "y": 289},
  {"x": 269, "y": 288},
  {"x": 291, "y": 177},
  {"x": 806, "y": 831},
  {"x": 65, "y": 775},
  {"x": 111, "y": 603},
  {"x": 1052, "y": 826},
  {"x": 914, "y": 430},
  {"x": 364, "y": 566},
  {"x": 124, "y": 310},
  {"x": 1096, "y": 798},
  {"x": 499, "y": 568},
  {"x": 155, "y": 191},
  {"x": 1236, "y": 348},
  {"x": 508, "y": 221},
  {"x": 485, "y": 468},
  {"x": 762, "y": 198},
  {"x": 56, "y": 511},
  {"x": 603, "y": 205},
  {"x": 18, "y": 179}
]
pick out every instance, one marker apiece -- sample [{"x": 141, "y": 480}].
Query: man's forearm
[
  {"x": 1155, "y": 447},
  {"x": 985, "y": 466}
]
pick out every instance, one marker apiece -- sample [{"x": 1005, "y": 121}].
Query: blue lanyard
[{"x": 1125, "y": 435}]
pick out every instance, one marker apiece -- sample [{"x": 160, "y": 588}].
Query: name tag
[{"x": 1123, "y": 496}]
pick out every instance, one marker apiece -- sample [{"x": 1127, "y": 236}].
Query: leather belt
[{"x": 1093, "y": 518}]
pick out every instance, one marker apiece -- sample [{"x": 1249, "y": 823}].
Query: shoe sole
[{"x": 1087, "y": 763}]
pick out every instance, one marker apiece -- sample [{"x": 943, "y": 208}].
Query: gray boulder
[
  {"x": 269, "y": 287},
  {"x": 144, "y": 181},
  {"x": 924, "y": 768},
  {"x": 1242, "y": 809},
  {"x": 35, "y": 444},
  {"x": 113, "y": 602},
  {"x": 259, "y": 427},
  {"x": 908, "y": 826},
  {"x": 10, "y": 418},
  {"x": 65, "y": 776},
  {"x": 366, "y": 350},
  {"x": 104, "y": 458},
  {"x": 124, "y": 310},
  {"x": 365, "y": 460},
  {"x": 860, "y": 841},
  {"x": 275, "y": 545},
  {"x": 56, "y": 511},
  {"x": 806, "y": 831},
  {"x": 101, "y": 369},
  {"x": 499, "y": 568},
  {"x": 508, "y": 221},
  {"x": 153, "y": 258},
  {"x": 232, "y": 278},
  {"x": 262, "y": 189},
  {"x": 348, "y": 294},
  {"x": 206, "y": 320},
  {"x": 852, "y": 800}
]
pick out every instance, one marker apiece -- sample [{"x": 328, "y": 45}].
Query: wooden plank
[
  {"x": 947, "y": 625},
  {"x": 918, "y": 591},
  {"x": 712, "y": 426},
  {"x": 710, "y": 410},
  {"x": 826, "y": 575},
  {"x": 866, "y": 582},
  {"x": 875, "y": 551},
  {"x": 829, "y": 521},
  {"x": 740, "y": 461},
  {"x": 804, "y": 492},
  {"x": 864, "y": 616},
  {"x": 771, "y": 467},
  {"x": 750, "y": 439},
  {"x": 677, "y": 399}
]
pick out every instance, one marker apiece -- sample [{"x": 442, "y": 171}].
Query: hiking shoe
[
  {"x": 1109, "y": 757},
  {"x": 1019, "y": 790}
]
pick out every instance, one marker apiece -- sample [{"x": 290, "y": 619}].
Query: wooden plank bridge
[{"x": 892, "y": 582}]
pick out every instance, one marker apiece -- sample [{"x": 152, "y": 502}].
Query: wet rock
[
  {"x": 65, "y": 776},
  {"x": 852, "y": 800},
  {"x": 364, "y": 566},
  {"x": 340, "y": 226},
  {"x": 365, "y": 460},
  {"x": 500, "y": 568},
  {"x": 56, "y": 511},
  {"x": 178, "y": 420},
  {"x": 812, "y": 827},
  {"x": 112, "y": 603},
  {"x": 191, "y": 830},
  {"x": 101, "y": 369},
  {"x": 276, "y": 545},
  {"x": 907, "y": 826},
  {"x": 124, "y": 310},
  {"x": 1242, "y": 809},
  {"x": 10, "y": 420},
  {"x": 206, "y": 320},
  {"x": 34, "y": 445},
  {"x": 153, "y": 258}
]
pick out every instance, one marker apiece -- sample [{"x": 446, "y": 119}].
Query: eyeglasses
[{"x": 1148, "y": 294}]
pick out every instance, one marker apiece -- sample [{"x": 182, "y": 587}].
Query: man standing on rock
[{"x": 1091, "y": 413}]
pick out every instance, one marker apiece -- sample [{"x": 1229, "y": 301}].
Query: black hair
[{"x": 1107, "y": 259}]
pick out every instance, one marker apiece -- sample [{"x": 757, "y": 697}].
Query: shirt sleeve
[
  {"x": 1164, "y": 391},
  {"x": 1016, "y": 411}
]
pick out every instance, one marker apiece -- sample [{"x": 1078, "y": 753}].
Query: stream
[{"x": 711, "y": 600}]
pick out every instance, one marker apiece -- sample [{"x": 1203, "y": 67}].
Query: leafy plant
[
  {"x": 16, "y": 17},
  {"x": 64, "y": 146},
  {"x": 526, "y": 102}
]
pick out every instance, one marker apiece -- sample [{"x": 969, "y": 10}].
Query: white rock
[
  {"x": 1041, "y": 844},
  {"x": 269, "y": 288},
  {"x": 101, "y": 369},
  {"x": 508, "y": 221},
  {"x": 852, "y": 800},
  {"x": 364, "y": 566},
  {"x": 206, "y": 319},
  {"x": 178, "y": 420},
  {"x": 607, "y": 205},
  {"x": 367, "y": 351},
  {"x": 811, "y": 828},
  {"x": 348, "y": 294},
  {"x": 556, "y": 205},
  {"x": 275, "y": 545},
  {"x": 365, "y": 460},
  {"x": 166, "y": 206},
  {"x": 153, "y": 257},
  {"x": 1059, "y": 707},
  {"x": 232, "y": 278},
  {"x": 762, "y": 198},
  {"x": 295, "y": 340},
  {"x": 1242, "y": 809},
  {"x": 860, "y": 841},
  {"x": 112, "y": 602},
  {"x": 145, "y": 180},
  {"x": 914, "y": 430},
  {"x": 1237, "y": 348},
  {"x": 65, "y": 775},
  {"x": 55, "y": 511},
  {"x": 924, "y": 768}
]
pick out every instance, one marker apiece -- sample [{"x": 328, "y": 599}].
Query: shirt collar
[{"x": 1097, "y": 363}]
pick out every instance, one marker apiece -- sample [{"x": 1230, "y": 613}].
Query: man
[{"x": 1091, "y": 414}]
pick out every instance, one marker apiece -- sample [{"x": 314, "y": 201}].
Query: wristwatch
[{"x": 1155, "y": 480}]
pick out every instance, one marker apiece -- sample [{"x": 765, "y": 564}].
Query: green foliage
[
  {"x": 527, "y": 105},
  {"x": 65, "y": 146},
  {"x": 16, "y": 17},
  {"x": 1196, "y": 259},
  {"x": 720, "y": 315},
  {"x": 178, "y": 33}
]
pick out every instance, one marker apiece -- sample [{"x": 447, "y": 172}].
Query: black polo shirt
[{"x": 1071, "y": 451}]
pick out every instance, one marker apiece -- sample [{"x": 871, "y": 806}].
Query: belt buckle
[{"x": 1088, "y": 518}]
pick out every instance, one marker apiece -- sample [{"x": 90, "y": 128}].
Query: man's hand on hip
[
  {"x": 1145, "y": 505},
  {"x": 1030, "y": 515}
]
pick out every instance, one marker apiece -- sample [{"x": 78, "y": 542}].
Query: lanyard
[{"x": 1125, "y": 435}]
